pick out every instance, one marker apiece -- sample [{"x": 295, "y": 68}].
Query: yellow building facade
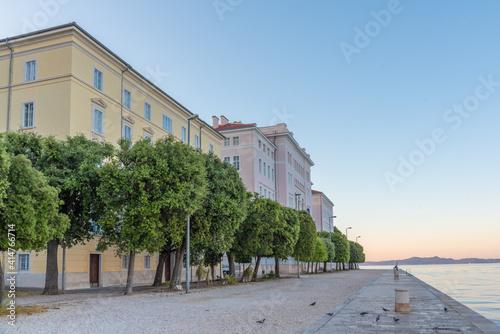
[{"x": 61, "y": 81}]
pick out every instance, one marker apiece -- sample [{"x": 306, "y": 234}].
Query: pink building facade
[
  {"x": 322, "y": 211},
  {"x": 251, "y": 153},
  {"x": 293, "y": 168}
]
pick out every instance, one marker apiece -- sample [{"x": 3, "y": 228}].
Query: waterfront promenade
[{"x": 427, "y": 313}]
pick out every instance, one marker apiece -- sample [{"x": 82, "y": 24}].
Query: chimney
[
  {"x": 224, "y": 120},
  {"x": 215, "y": 122}
]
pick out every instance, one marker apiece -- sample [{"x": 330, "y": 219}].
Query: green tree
[
  {"x": 29, "y": 215},
  {"x": 306, "y": 243},
  {"x": 255, "y": 236},
  {"x": 4, "y": 169},
  {"x": 330, "y": 250},
  {"x": 342, "y": 249},
  {"x": 223, "y": 210},
  {"x": 185, "y": 186},
  {"x": 356, "y": 254},
  {"x": 144, "y": 199},
  {"x": 320, "y": 252},
  {"x": 71, "y": 166},
  {"x": 285, "y": 235}
]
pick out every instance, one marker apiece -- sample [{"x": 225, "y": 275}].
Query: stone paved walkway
[{"x": 427, "y": 313}]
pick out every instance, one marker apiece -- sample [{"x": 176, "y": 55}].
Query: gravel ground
[{"x": 283, "y": 303}]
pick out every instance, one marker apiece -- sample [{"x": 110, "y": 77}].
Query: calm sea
[{"x": 474, "y": 285}]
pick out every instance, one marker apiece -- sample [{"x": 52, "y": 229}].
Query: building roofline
[
  {"x": 288, "y": 134},
  {"x": 125, "y": 64},
  {"x": 322, "y": 194},
  {"x": 249, "y": 127}
]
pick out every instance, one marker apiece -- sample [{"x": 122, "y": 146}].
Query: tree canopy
[
  {"x": 29, "y": 210},
  {"x": 306, "y": 242},
  {"x": 342, "y": 248}
]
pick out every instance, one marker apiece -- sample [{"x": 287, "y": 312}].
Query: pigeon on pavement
[
  {"x": 445, "y": 309},
  {"x": 395, "y": 319},
  {"x": 363, "y": 313},
  {"x": 312, "y": 304},
  {"x": 385, "y": 310},
  {"x": 378, "y": 318},
  {"x": 330, "y": 314},
  {"x": 261, "y": 321}
]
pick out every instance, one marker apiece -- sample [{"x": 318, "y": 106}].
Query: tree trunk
[
  {"x": 212, "y": 268},
  {"x": 307, "y": 269},
  {"x": 130, "y": 273},
  {"x": 317, "y": 267},
  {"x": 232, "y": 267},
  {"x": 51, "y": 271},
  {"x": 160, "y": 268},
  {"x": 277, "y": 267},
  {"x": 176, "y": 278},
  {"x": 324, "y": 266},
  {"x": 256, "y": 269}
]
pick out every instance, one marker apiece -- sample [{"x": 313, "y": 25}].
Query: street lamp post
[
  {"x": 349, "y": 228},
  {"x": 195, "y": 116},
  {"x": 357, "y": 238},
  {"x": 298, "y": 259},
  {"x": 330, "y": 225}
]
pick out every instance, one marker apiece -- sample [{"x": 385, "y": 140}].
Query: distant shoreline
[{"x": 429, "y": 261}]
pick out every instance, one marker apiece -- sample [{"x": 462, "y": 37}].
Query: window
[
  {"x": 148, "y": 137},
  {"x": 268, "y": 151},
  {"x": 260, "y": 166},
  {"x": 127, "y": 99},
  {"x": 273, "y": 196},
  {"x": 24, "y": 262},
  {"x": 290, "y": 202},
  {"x": 167, "y": 123},
  {"x": 272, "y": 155},
  {"x": 268, "y": 172},
  {"x": 28, "y": 115},
  {"x": 265, "y": 193},
  {"x": 97, "y": 79},
  {"x": 236, "y": 162},
  {"x": 227, "y": 141},
  {"x": 260, "y": 191},
  {"x": 211, "y": 148},
  {"x": 183, "y": 134},
  {"x": 124, "y": 261},
  {"x": 236, "y": 140},
  {"x": 147, "y": 111},
  {"x": 196, "y": 141},
  {"x": 273, "y": 174},
  {"x": 147, "y": 261},
  {"x": 30, "y": 70},
  {"x": 264, "y": 169},
  {"x": 227, "y": 159},
  {"x": 260, "y": 144},
  {"x": 289, "y": 179},
  {"x": 96, "y": 229},
  {"x": 98, "y": 121},
  {"x": 264, "y": 148},
  {"x": 127, "y": 132}
]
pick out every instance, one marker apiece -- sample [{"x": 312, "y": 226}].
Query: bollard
[{"x": 402, "y": 300}]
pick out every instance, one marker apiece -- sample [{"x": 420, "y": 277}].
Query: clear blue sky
[{"x": 267, "y": 62}]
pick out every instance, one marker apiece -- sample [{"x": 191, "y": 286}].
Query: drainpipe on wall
[
  {"x": 201, "y": 127},
  {"x": 9, "y": 85},
  {"x": 121, "y": 103},
  {"x": 63, "y": 267}
]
